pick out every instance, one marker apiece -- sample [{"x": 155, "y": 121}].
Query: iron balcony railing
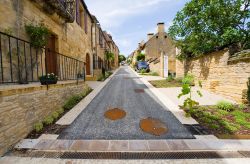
[
  {"x": 21, "y": 63},
  {"x": 64, "y": 8}
]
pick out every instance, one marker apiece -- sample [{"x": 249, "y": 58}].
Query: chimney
[
  {"x": 161, "y": 27},
  {"x": 150, "y": 35}
]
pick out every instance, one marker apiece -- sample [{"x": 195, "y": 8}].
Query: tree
[
  {"x": 110, "y": 57},
  {"x": 121, "y": 58},
  {"x": 140, "y": 57},
  {"x": 204, "y": 26}
]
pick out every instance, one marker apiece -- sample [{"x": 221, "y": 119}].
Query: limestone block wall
[
  {"x": 180, "y": 70},
  {"x": 21, "y": 108},
  {"x": 156, "y": 68},
  {"x": 221, "y": 76}
]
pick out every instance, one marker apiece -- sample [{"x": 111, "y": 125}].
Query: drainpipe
[{"x": 18, "y": 20}]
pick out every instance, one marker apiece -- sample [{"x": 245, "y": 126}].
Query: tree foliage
[
  {"x": 121, "y": 58},
  {"x": 109, "y": 56},
  {"x": 140, "y": 57},
  {"x": 203, "y": 26}
]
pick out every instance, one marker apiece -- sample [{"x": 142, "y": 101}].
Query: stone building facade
[{"x": 156, "y": 47}]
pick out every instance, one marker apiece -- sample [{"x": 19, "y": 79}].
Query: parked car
[
  {"x": 142, "y": 65},
  {"x": 123, "y": 63}
]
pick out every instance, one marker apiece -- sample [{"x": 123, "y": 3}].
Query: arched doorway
[{"x": 88, "y": 64}]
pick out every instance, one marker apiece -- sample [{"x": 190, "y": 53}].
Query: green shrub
[
  {"x": 224, "y": 105},
  {"x": 187, "y": 90},
  {"x": 55, "y": 115},
  {"x": 48, "y": 120},
  {"x": 74, "y": 100},
  {"x": 170, "y": 78},
  {"x": 242, "y": 106},
  {"x": 179, "y": 79},
  {"x": 71, "y": 102},
  {"x": 100, "y": 78},
  {"x": 207, "y": 120},
  {"x": 188, "y": 79},
  {"x": 60, "y": 111},
  {"x": 154, "y": 74},
  {"x": 38, "y": 127},
  {"x": 214, "y": 126},
  {"x": 143, "y": 71}
]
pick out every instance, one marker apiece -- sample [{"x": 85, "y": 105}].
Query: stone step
[
  {"x": 134, "y": 145},
  {"x": 91, "y": 78}
]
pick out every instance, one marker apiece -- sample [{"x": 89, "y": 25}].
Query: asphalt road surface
[{"x": 120, "y": 93}]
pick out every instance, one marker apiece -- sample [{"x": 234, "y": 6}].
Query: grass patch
[
  {"x": 166, "y": 83},
  {"x": 149, "y": 74},
  {"x": 104, "y": 77},
  {"x": 223, "y": 118},
  {"x": 74, "y": 100}
]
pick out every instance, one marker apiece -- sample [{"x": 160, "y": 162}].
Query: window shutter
[
  {"x": 86, "y": 22},
  {"x": 77, "y": 12}
]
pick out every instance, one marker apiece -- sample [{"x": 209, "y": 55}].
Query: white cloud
[{"x": 115, "y": 12}]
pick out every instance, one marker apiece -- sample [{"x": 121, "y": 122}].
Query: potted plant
[{"x": 48, "y": 79}]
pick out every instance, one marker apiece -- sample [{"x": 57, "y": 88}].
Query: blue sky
[{"x": 129, "y": 21}]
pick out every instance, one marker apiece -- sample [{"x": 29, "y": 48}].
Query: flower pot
[{"x": 48, "y": 81}]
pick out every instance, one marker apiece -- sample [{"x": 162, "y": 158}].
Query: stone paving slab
[
  {"x": 48, "y": 136},
  {"x": 135, "y": 145},
  {"x": 27, "y": 144},
  {"x": 20, "y": 160}
]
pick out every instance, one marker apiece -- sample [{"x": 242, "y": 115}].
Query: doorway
[
  {"x": 51, "y": 56},
  {"x": 88, "y": 64}
]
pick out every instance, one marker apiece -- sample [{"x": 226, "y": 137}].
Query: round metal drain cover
[
  {"x": 115, "y": 114},
  {"x": 153, "y": 126}
]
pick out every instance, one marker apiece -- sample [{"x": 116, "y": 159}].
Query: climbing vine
[{"x": 38, "y": 35}]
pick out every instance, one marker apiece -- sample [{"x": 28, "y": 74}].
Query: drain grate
[
  {"x": 139, "y": 91},
  {"x": 245, "y": 153},
  {"x": 197, "y": 129},
  {"x": 132, "y": 78},
  {"x": 128, "y": 155}
]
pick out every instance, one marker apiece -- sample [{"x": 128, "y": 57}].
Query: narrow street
[{"x": 121, "y": 93}]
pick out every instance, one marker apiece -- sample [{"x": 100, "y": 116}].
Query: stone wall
[
  {"x": 21, "y": 108},
  {"x": 221, "y": 75},
  {"x": 156, "y": 68}
]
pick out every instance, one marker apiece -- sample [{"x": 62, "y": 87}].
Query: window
[
  {"x": 79, "y": 13},
  {"x": 86, "y": 22},
  {"x": 100, "y": 38}
]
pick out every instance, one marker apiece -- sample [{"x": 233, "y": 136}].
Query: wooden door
[
  {"x": 51, "y": 56},
  {"x": 87, "y": 64}
]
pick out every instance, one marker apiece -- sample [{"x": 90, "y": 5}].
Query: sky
[{"x": 129, "y": 21}]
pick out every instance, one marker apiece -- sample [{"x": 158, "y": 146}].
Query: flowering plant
[{"x": 50, "y": 78}]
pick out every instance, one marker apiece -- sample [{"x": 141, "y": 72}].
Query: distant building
[{"x": 160, "y": 51}]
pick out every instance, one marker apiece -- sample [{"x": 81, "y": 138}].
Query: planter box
[{"x": 48, "y": 82}]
